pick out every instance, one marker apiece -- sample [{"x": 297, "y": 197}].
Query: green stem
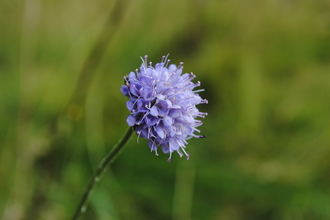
[{"x": 96, "y": 176}]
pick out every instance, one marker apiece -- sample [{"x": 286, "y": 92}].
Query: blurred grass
[{"x": 264, "y": 66}]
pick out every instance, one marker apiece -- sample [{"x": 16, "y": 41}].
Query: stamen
[
  {"x": 195, "y": 129},
  {"x": 167, "y": 62},
  {"x": 202, "y": 114},
  {"x": 172, "y": 74},
  {"x": 164, "y": 58},
  {"x": 153, "y": 146},
  {"x": 138, "y": 133},
  {"x": 200, "y": 90},
  {"x": 148, "y": 136},
  {"x": 145, "y": 59},
  {"x": 180, "y": 66},
  {"x": 169, "y": 159},
  {"x": 187, "y": 155},
  {"x": 192, "y": 76},
  {"x": 144, "y": 62}
]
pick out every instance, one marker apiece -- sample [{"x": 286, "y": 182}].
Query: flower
[{"x": 163, "y": 105}]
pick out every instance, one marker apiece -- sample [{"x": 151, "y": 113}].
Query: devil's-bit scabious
[{"x": 163, "y": 105}]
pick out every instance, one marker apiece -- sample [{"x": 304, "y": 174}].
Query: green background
[{"x": 265, "y": 68}]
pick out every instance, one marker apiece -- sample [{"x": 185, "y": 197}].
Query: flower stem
[{"x": 96, "y": 176}]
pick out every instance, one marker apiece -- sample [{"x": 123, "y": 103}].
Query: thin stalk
[{"x": 108, "y": 159}]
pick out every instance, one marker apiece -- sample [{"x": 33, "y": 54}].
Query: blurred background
[{"x": 265, "y": 68}]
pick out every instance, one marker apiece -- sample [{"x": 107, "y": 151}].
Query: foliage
[{"x": 265, "y": 68}]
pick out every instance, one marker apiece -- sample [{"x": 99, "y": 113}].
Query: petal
[
  {"x": 146, "y": 92},
  {"x": 152, "y": 145},
  {"x": 173, "y": 131},
  {"x": 162, "y": 112},
  {"x": 141, "y": 105},
  {"x": 154, "y": 111},
  {"x": 132, "y": 76},
  {"x": 172, "y": 68},
  {"x": 160, "y": 96},
  {"x": 143, "y": 132},
  {"x": 130, "y": 105},
  {"x": 124, "y": 89},
  {"x": 160, "y": 132},
  {"x": 175, "y": 113},
  {"x": 159, "y": 67},
  {"x": 131, "y": 120},
  {"x": 195, "y": 100},
  {"x": 165, "y": 148},
  {"x": 164, "y": 103},
  {"x": 151, "y": 120},
  {"x": 147, "y": 80},
  {"x": 168, "y": 121},
  {"x": 189, "y": 119},
  {"x": 174, "y": 145},
  {"x": 134, "y": 89}
]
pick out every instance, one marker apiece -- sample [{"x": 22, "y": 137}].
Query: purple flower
[{"x": 163, "y": 106}]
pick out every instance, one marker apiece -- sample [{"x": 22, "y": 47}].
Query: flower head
[{"x": 163, "y": 105}]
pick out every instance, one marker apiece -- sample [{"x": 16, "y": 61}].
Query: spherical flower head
[{"x": 163, "y": 106}]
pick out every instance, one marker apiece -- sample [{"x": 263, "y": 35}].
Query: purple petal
[
  {"x": 154, "y": 111},
  {"x": 152, "y": 145},
  {"x": 165, "y": 149},
  {"x": 151, "y": 120},
  {"x": 172, "y": 68},
  {"x": 130, "y": 105},
  {"x": 160, "y": 132},
  {"x": 132, "y": 76},
  {"x": 175, "y": 113},
  {"x": 146, "y": 92},
  {"x": 124, "y": 89},
  {"x": 168, "y": 121},
  {"x": 131, "y": 120}
]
